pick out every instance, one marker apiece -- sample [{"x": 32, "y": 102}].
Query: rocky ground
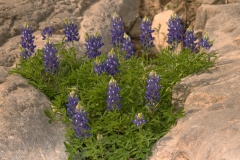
[{"x": 210, "y": 128}]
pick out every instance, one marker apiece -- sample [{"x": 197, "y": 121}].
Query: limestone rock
[
  {"x": 212, "y": 1},
  {"x": 151, "y": 7},
  {"x": 210, "y": 129},
  {"x": 25, "y": 132}
]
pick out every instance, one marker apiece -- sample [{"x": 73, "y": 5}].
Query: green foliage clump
[{"x": 113, "y": 134}]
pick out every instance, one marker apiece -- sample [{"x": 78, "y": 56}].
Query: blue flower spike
[
  {"x": 70, "y": 31},
  {"x": 127, "y": 46},
  {"x": 50, "y": 57},
  {"x": 146, "y": 38},
  {"x": 113, "y": 99},
  {"x": 139, "y": 120},
  {"x": 98, "y": 67},
  {"x": 117, "y": 30},
  {"x": 80, "y": 122},
  {"x": 175, "y": 31},
  {"x": 152, "y": 90},
  {"x": 189, "y": 39},
  {"x": 93, "y": 44},
  {"x": 27, "y": 39},
  {"x": 47, "y": 32},
  {"x": 111, "y": 63},
  {"x": 73, "y": 100},
  {"x": 205, "y": 42}
]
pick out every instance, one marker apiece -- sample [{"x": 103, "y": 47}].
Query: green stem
[
  {"x": 197, "y": 55},
  {"x": 73, "y": 44}
]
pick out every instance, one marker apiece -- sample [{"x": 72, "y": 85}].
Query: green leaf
[
  {"x": 48, "y": 113},
  {"x": 33, "y": 83}
]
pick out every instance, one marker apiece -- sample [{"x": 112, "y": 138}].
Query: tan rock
[
  {"x": 211, "y": 1},
  {"x": 161, "y": 19}
]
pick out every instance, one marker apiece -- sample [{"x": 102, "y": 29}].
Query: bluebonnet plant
[
  {"x": 98, "y": 66},
  {"x": 146, "y": 38},
  {"x": 117, "y": 30},
  {"x": 127, "y": 46},
  {"x": 27, "y": 39},
  {"x": 93, "y": 44},
  {"x": 111, "y": 63},
  {"x": 72, "y": 103},
  {"x": 47, "y": 31},
  {"x": 80, "y": 122},
  {"x": 205, "y": 42},
  {"x": 139, "y": 120},
  {"x": 113, "y": 99},
  {"x": 152, "y": 90},
  {"x": 175, "y": 31},
  {"x": 189, "y": 40},
  {"x": 71, "y": 31},
  {"x": 50, "y": 58}
]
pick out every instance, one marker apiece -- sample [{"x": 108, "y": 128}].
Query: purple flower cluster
[
  {"x": 205, "y": 42},
  {"x": 72, "y": 103},
  {"x": 111, "y": 63},
  {"x": 50, "y": 58},
  {"x": 189, "y": 40},
  {"x": 152, "y": 89},
  {"x": 139, "y": 120},
  {"x": 80, "y": 122},
  {"x": 127, "y": 46},
  {"x": 113, "y": 99},
  {"x": 175, "y": 36},
  {"x": 27, "y": 47},
  {"x": 71, "y": 31},
  {"x": 117, "y": 30},
  {"x": 47, "y": 31},
  {"x": 175, "y": 31},
  {"x": 93, "y": 44},
  {"x": 146, "y": 38},
  {"x": 98, "y": 67},
  {"x": 77, "y": 115}
]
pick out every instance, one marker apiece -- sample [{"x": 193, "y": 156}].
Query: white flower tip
[
  {"x": 79, "y": 107},
  {"x": 99, "y": 137},
  {"x": 112, "y": 81},
  {"x": 139, "y": 116}
]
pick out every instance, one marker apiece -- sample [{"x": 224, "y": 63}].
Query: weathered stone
[
  {"x": 210, "y": 129},
  {"x": 212, "y": 1},
  {"x": 3, "y": 74},
  {"x": 151, "y": 7},
  {"x": 25, "y": 132},
  {"x": 7, "y": 59}
]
